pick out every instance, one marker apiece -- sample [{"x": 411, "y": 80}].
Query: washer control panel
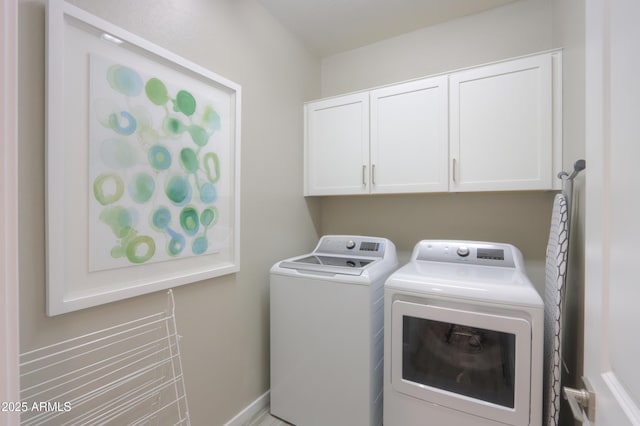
[
  {"x": 351, "y": 245},
  {"x": 469, "y": 252}
]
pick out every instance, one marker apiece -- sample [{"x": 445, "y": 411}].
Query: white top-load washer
[
  {"x": 463, "y": 338},
  {"x": 327, "y": 332}
]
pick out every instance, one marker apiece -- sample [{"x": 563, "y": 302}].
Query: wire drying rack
[{"x": 129, "y": 374}]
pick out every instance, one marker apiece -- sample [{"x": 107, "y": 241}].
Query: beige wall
[
  {"x": 516, "y": 29},
  {"x": 520, "y": 218},
  {"x": 224, "y": 321}
]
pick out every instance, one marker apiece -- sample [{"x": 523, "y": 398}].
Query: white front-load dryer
[
  {"x": 327, "y": 332},
  {"x": 463, "y": 338}
]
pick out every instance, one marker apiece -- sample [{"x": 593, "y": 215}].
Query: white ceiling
[{"x": 332, "y": 26}]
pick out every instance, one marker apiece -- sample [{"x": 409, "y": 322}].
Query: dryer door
[{"x": 469, "y": 361}]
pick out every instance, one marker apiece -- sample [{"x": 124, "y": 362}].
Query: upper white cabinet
[
  {"x": 409, "y": 143},
  {"x": 389, "y": 140},
  {"x": 490, "y": 128},
  {"x": 337, "y": 145},
  {"x": 501, "y": 121}
]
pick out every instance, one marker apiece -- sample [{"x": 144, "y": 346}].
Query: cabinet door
[
  {"x": 337, "y": 145},
  {"x": 409, "y": 137},
  {"x": 501, "y": 126}
]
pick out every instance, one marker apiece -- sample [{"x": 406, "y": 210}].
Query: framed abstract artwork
[{"x": 143, "y": 165}]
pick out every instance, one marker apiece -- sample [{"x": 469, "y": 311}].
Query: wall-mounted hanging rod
[
  {"x": 567, "y": 187},
  {"x": 578, "y": 166}
]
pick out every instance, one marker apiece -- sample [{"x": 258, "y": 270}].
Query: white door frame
[{"x": 9, "y": 331}]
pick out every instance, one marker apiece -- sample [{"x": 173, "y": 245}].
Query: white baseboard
[{"x": 244, "y": 416}]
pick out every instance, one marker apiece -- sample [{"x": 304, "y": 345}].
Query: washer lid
[{"x": 329, "y": 264}]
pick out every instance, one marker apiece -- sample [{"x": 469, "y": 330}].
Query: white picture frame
[{"x": 106, "y": 237}]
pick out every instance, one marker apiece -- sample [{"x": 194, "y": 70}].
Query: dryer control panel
[{"x": 469, "y": 252}]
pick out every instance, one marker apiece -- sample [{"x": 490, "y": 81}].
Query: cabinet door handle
[
  {"x": 364, "y": 175},
  {"x": 373, "y": 174},
  {"x": 454, "y": 166}
]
